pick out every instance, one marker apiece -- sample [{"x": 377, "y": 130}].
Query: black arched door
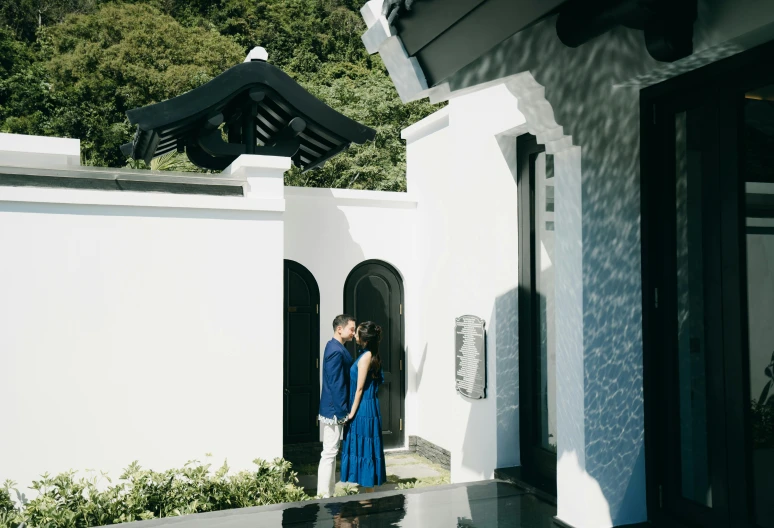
[
  {"x": 302, "y": 355},
  {"x": 374, "y": 292}
]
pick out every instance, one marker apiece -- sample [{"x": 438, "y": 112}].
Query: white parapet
[
  {"x": 264, "y": 175},
  {"x": 21, "y": 150}
]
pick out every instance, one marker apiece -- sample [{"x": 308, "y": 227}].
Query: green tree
[
  {"x": 14, "y": 55},
  {"x": 82, "y": 72},
  {"x": 24, "y": 17},
  {"x": 367, "y": 96},
  {"x": 23, "y": 91},
  {"x": 96, "y": 67},
  {"x": 318, "y": 42}
]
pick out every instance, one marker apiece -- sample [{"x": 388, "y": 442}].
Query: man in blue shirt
[{"x": 334, "y": 400}]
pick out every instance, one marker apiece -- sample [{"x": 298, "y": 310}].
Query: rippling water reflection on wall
[{"x": 599, "y": 338}]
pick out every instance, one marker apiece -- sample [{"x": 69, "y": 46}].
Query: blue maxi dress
[{"x": 362, "y": 454}]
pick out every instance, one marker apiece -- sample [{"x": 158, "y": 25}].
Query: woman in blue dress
[{"x": 362, "y": 455}]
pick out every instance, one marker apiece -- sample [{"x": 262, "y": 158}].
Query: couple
[{"x": 348, "y": 405}]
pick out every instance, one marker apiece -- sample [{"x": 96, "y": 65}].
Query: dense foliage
[
  {"x": 73, "y": 68},
  {"x": 65, "y": 501}
]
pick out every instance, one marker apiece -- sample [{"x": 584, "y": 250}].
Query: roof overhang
[
  {"x": 251, "y": 108},
  {"x": 424, "y": 42},
  {"x": 446, "y": 35}
]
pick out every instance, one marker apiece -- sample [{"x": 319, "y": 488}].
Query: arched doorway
[
  {"x": 374, "y": 291},
  {"x": 302, "y": 342}
]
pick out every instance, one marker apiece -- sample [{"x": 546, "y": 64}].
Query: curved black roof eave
[{"x": 238, "y": 79}]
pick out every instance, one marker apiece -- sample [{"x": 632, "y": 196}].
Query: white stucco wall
[
  {"x": 330, "y": 231},
  {"x": 138, "y": 326},
  {"x": 461, "y": 167}
]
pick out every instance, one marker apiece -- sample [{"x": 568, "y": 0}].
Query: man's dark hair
[{"x": 342, "y": 320}]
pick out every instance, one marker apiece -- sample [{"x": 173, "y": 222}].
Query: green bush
[
  {"x": 65, "y": 501},
  {"x": 7, "y": 508}
]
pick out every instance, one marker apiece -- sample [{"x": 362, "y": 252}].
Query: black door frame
[
  {"x": 538, "y": 464},
  {"x": 308, "y": 277},
  {"x": 664, "y": 317},
  {"x": 401, "y": 320},
  {"x": 719, "y": 87}
]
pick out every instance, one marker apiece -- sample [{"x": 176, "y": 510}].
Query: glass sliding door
[
  {"x": 708, "y": 293},
  {"x": 686, "y": 314},
  {"x": 691, "y": 207},
  {"x": 758, "y": 171}
]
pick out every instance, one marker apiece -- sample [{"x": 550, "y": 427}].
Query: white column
[
  {"x": 264, "y": 186},
  {"x": 264, "y": 175}
]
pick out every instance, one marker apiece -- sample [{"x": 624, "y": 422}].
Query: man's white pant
[{"x": 326, "y": 472}]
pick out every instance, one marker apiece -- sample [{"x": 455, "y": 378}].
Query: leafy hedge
[{"x": 65, "y": 501}]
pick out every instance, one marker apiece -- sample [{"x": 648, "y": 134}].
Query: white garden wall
[
  {"x": 146, "y": 326},
  {"x": 461, "y": 168},
  {"x": 138, "y": 326},
  {"x": 137, "y": 333}
]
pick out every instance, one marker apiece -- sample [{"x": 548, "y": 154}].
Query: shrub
[{"x": 67, "y": 501}]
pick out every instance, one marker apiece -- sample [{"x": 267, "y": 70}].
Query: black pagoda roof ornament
[{"x": 262, "y": 110}]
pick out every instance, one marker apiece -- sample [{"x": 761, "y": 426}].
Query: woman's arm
[{"x": 362, "y": 371}]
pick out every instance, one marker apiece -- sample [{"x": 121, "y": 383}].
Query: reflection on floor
[{"x": 481, "y": 505}]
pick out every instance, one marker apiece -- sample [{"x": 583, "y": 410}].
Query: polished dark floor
[{"x": 481, "y": 505}]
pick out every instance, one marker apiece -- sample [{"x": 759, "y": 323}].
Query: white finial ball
[{"x": 257, "y": 53}]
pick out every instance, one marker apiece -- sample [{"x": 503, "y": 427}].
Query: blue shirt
[{"x": 334, "y": 399}]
